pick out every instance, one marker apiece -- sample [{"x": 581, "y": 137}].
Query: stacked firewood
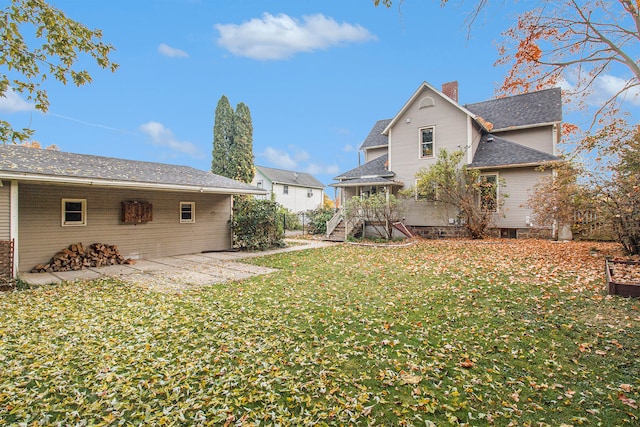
[{"x": 79, "y": 256}]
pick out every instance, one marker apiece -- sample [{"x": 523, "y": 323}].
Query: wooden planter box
[{"x": 618, "y": 288}]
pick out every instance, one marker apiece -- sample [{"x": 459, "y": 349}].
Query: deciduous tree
[
  {"x": 452, "y": 183},
  {"x": 54, "y": 52},
  {"x": 576, "y": 43},
  {"x": 556, "y": 198},
  {"x": 379, "y": 211}
]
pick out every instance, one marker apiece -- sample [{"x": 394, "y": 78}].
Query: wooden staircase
[{"x": 338, "y": 234}]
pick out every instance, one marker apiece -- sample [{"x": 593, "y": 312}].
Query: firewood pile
[{"x": 79, "y": 256}]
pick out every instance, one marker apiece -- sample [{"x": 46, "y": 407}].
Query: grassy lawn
[{"x": 439, "y": 333}]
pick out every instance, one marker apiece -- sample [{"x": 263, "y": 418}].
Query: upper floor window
[
  {"x": 489, "y": 192},
  {"x": 285, "y": 189},
  {"x": 309, "y": 192},
  {"x": 187, "y": 212},
  {"x": 74, "y": 212},
  {"x": 259, "y": 184},
  {"x": 427, "y": 141}
]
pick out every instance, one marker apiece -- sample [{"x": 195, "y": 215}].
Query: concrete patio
[{"x": 176, "y": 272}]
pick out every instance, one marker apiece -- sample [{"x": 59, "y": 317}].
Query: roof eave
[
  {"x": 530, "y": 126},
  {"x": 97, "y": 182},
  {"x": 517, "y": 165}
]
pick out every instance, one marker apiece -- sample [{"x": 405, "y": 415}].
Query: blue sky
[{"x": 316, "y": 76}]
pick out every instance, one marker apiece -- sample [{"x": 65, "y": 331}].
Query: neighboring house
[
  {"x": 296, "y": 191},
  {"x": 51, "y": 199},
  {"x": 506, "y": 139}
]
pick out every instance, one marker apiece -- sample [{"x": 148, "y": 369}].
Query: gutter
[
  {"x": 519, "y": 165},
  {"x": 128, "y": 184}
]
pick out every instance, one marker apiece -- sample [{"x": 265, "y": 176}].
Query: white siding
[
  {"x": 41, "y": 234},
  {"x": 451, "y": 133},
  {"x": 297, "y": 199},
  {"x": 518, "y": 185},
  {"x": 540, "y": 139}
]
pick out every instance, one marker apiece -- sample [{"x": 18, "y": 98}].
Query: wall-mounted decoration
[{"x": 135, "y": 212}]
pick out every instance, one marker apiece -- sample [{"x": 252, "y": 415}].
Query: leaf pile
[{"x": 438, "y": 333}]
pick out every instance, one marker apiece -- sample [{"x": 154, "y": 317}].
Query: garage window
[
  {"x": 187, "y": 212},
  {"x": 74, "y": 212}
]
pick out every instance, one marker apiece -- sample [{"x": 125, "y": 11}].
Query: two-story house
[
  {"x": 296, "y": 191},
  {"x": 506, "y": 139}
]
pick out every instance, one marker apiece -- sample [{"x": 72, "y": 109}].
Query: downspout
[{"x": 13, "y": 224}]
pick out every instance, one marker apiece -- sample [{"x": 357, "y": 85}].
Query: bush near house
[
  {"x": 255, "y": 224},
  {"x": 318, "y": 219}
]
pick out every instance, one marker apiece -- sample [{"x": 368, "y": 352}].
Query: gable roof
[
  {"x": 413, "y": 98},
  {"x": 494, "y": 152},
  {"x": 376, "y": 138},
  {"x": 377, "y": 167},
  {"x": 34, "y": 164},
  {"x": 528, "y": 109},
  {"x": 281, "y": 176}
]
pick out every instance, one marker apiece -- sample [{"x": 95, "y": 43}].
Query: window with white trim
[
  {"x": 74, "y": 212},
  {"x": 309, "y": 192},
  {"x": 427, "y": 142},
  {"x": 489, "y": 192},
  {"x": 285, "y": 189},
  {"x": 187, "y": 212}
]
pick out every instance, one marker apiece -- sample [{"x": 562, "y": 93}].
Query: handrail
[{"x": 334, "y": 221}]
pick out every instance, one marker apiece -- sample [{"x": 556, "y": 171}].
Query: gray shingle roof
[
  {"x": 282, "y": 176},
  {"x": 375, "y": 137},
  {"x": 499, "y": 152},
  {"x": 376, "y": 167},
  {"x": 544, "y": 106},
  {"x": 367, "y": 181},
  {"x": 18, "y": 162}
]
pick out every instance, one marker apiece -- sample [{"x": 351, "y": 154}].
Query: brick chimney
[{"x": 451, "y": 90}]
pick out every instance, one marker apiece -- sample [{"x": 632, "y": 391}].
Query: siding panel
[
  {"x": 41, "y": 234},
  {"x": 5, "y": 211}
]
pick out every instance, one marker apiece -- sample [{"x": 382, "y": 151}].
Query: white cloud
[
  {"x": 162, "y": 136},
  {"x": 280, "y": 37},
  {"x": 279, "y": 158},
  {"x": 316, "y": 169},
  {"x": 348, "y": 148},
  {"x": 12, "y": 102},
  {"x": 171, "y": 52},
  {"x": 604, "y": 87}
]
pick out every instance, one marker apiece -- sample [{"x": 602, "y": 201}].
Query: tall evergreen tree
[
  {"x": 241, "y": 155},
  {"x": 222, "y": 138}
]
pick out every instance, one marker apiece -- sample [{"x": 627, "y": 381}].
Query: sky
[{"x": 316, "y": 76}]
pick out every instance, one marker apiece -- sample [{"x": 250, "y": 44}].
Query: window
[
  {"x": 74, "y": 212},
  {"x": 259, "y": 184},
  {"x": 426, "y": 142},
  {"x": 187, "y": 212},
  {"x": 489, "y": 192},
  {"x": 309, "y": 192},
  {"x": 285, "y": 189}
]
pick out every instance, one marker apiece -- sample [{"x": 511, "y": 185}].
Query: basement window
[
  {"x": 187, "y": 212},
  {"x": 74, "y": 212}
]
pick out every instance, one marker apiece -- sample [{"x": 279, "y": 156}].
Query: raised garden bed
[{"x": 623, "y": 277}]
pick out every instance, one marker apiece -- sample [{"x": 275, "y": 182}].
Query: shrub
[
  {"x": 318, "y": 219},
  {"x": 255, "y": 224},
  {"x": 288, "y": 220}
]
